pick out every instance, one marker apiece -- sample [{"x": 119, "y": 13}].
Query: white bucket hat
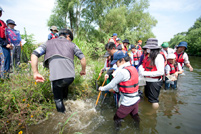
[{"x": 171, "y": 56}]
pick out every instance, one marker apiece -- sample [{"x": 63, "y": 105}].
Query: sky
[{"x": 173, "y": 16}]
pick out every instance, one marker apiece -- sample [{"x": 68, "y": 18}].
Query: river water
[{"x": 179, "y": 112}]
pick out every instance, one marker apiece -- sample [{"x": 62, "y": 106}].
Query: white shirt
[{"x": 159, "y": 62}]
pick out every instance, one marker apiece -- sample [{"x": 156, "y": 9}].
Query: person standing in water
[
  {"x": 125, "y": 82},
  {"x": 153, "y": 70},
  {"x": 181, "y": 56},
  {"x": 59, "y": 58}
]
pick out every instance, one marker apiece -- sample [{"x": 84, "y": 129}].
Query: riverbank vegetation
[{"x": 192, "y": 37}]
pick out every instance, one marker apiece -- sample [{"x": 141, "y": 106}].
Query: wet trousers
[
  {"x": 60, "y": 90},
  {"x": 123, "y": 111}
]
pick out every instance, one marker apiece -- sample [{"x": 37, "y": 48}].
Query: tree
[
  {"x": 96, "y": 20},
  {"x": 192, "y": 37}
]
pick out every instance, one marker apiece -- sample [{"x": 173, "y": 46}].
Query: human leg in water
[
  {"x": 66, "y": 82},
  {"x": 58, "y": 96},
  {"x": 60, "y": 92},
  {"x": 136, "y": 119},
  {"x": 117, "y": 122},
  {"x": 135, "y": 116}
]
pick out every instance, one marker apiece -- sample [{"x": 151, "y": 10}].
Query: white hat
[{"x": 171, "y": 56}]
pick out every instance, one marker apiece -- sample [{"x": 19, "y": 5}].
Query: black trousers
[{"x": 60, "y": 90}]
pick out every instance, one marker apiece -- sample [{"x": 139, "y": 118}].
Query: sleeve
[
  {"x": 131, "y": 56},
  {"x": 41, "y": 50},
  {"x": 179, "y": 67},
  {"x": 78, "y": 53},
  {"x": 186, "y": 60},
  {"x": 167, "y": 69},
  {"x": 49, "y": 36},
  {"x": 141, "y": 59},
  {"x": 105, "y": 64},
  {"x": 159, "y": 62},
  {"x": 19, "y": 35}
]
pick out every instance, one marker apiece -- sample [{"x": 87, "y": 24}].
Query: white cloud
[{"x": 175, "y": 5}]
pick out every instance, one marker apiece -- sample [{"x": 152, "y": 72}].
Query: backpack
[{"x": 2, "y": 29}]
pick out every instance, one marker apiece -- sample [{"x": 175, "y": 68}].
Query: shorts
[{"x": 152, "y": 91}]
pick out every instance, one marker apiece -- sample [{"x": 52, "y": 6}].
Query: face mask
[{"x": 148, "y": 50}]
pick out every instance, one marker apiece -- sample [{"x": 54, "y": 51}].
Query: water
[{"x": 179, "y": 112}]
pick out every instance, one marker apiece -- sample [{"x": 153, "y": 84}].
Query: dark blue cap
[
  {"x": 118, "y": 55},
  {"x": 9, "y": 21},
  {"x": 183, "y": 44}
]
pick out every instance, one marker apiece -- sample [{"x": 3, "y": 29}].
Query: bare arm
[
  {"x": 189, "y": 66},
  {"x": 83, "y": 64},
  {"x": 34, "y": 64}
]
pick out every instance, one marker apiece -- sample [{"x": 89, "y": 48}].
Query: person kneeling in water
[{"x": 125, "y": 81}]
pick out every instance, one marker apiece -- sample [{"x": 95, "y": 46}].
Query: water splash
[{"x": 86, "y": 119}]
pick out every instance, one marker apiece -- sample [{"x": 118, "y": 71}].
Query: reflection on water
[{"x": 179, "y": 112}]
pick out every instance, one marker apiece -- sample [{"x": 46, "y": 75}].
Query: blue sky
[{"x": 173, "y": 16}]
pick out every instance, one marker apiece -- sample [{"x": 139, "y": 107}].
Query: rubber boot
[
  {"x": 60, "y": 105},
  {"x": 136, "y": 122}
]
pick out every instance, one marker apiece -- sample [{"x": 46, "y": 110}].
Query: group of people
[
  {"x": 123, "y": 65},
  {"x": 154, "y": 63},
  {"x": 10, "y": 46}
]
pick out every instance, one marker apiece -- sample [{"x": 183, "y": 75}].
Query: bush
[{"x": 23, "y": 101}]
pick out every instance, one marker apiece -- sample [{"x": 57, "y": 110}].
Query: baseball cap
[{"x": 119, "y": 55}]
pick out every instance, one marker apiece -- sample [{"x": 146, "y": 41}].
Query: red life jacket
[
  {"x": 152, "y": 68},
  {"x": 180, "y": 59},
  {"x": 145, "y": 60},
  {"x": 139, "y": 47},
  {"x": 130, "y": 86},
  {"x": 173, "y": 69},
  {"x": 53, "y": 36},
  {"x": 2, "y": 29},
  {"x": 115, "y": 42},
  {"x": 135, "y": 56}
]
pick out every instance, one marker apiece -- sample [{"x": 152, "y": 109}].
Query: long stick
[
  {"x": 104, "y": 98},
  {"x": 99, "y": 94}
]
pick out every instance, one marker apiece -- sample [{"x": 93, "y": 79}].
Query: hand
[
  {"x": 99, "y": 88},
  {"x": 106, "y": 76},
  {"x": 8, "y": 46},
  {"x": 11, "y": 47},
  {"x": 83, "y": 72},
  {"x": 176, "y": 74},
  {"x": 38, "y": 77},
  {"x": 191, "y": 69}
]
